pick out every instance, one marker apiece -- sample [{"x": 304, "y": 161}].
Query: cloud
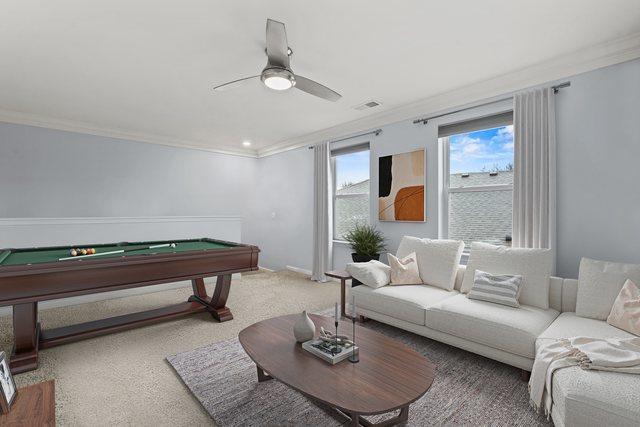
[{"x": 504, "y": 139}]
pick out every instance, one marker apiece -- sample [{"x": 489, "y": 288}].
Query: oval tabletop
[{"x": 389, "y": 375}]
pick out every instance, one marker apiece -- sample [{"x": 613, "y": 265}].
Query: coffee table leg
[
  {"x": 355, "y": 420},
  {"x": 262, "y": 375},
  {"x": 401, "y": 418}
]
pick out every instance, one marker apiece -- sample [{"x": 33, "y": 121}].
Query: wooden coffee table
[{"x": 389, "y": 376}]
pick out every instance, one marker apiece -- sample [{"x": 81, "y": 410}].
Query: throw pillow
[
  {"x": 534, "y": 265},
  {"x": 404, "y": 271},
  {"x": 625, "y": 313},
  {"x": 373, "y": 273},
  {"x": 497, "y": 288},
  {"x": 438, "y": 260},
  {"x": 599, "y": 283}
]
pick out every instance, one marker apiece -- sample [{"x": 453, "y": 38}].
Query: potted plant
[{"x": 366, "y": 241}]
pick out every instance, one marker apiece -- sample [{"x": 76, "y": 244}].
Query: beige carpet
[{"x": 124, "y": 379}]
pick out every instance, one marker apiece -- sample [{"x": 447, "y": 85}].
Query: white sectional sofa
[{"x": 512, "y": 335}]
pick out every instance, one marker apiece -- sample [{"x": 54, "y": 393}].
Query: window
[
  {"x": 351, "y": 202},
  {"x": 478, "y": 179}
]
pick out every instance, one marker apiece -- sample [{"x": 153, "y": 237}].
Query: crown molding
[
  {"x": 591, "y": 58},
  {"x": 16, "y": 117},
  {"x": 597, "y": 56}
]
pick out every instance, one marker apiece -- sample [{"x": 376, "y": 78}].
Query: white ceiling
[{"x": 145, "y": 68}]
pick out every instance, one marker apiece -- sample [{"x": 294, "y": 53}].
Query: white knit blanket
[{"x": 618, "y": 355}]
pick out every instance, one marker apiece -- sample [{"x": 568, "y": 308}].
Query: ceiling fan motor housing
[{"x": 278, "y": 78}]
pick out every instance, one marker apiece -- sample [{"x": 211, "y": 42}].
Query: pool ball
[
  {"x": 83, "y": 251},
  {"x": 73, "y": 252}
]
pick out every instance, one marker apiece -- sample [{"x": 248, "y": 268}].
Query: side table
[{"x": 343, "y": 276}]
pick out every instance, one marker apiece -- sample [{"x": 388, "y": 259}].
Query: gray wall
[
  {"x": 599, "y": 167},
  {"x": 50, "y": 173},
  {"x": 280, "y": 217},
  {"x": 598, "y": 121}
]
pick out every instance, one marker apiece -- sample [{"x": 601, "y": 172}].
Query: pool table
[{"x": 30, "y": 275}]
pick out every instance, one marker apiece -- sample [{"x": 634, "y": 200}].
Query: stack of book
[{"x": 328, "y": 351}]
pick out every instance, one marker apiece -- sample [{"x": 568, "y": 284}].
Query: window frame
[
  {"x": 356, "y": 148},
  {"x": 444, "y": 149}
]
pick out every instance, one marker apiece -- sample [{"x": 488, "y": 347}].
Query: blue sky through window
[
  {"x": 352, "y": 168},
  {"x": 481, "y": 151}
]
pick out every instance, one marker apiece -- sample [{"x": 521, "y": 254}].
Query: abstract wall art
[{"x": 401, "y": 182}]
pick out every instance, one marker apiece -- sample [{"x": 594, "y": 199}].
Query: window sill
[{"x": 340, "y": 242}]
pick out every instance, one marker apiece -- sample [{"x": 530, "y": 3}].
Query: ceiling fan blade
[
  {"x": 314, "y": 88},
  {"x": 234, "y": 84},
  {"x": 277, "y": 46}
]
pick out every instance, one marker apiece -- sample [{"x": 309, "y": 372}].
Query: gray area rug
[{"x": 468, "y": 389}]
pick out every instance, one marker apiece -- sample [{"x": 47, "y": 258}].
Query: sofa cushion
[
  {"x": 406, "y": 303},
  {"x": 404, "y": 271},
  {"x": 496, "y": 288},
  {"x": 438, "y": 260},
  {"x": 591, "y": 398},
  {"x": 625, "y": 313},
  {"x": 373, "y": 273},
  {"x": 505, "y": 328},
  {"x": 533, "y": 264},
  {"x": 595, "y": 398},
  {"x": 599, "y": 283},
  {"x": 569, "y": 325}
]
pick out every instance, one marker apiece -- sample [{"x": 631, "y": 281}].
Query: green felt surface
[{"x": 41, "y": 255}]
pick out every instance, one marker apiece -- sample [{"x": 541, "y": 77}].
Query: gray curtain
[
  {"x": 534, "y": 182},
  {"x": 322, "y": 212}
]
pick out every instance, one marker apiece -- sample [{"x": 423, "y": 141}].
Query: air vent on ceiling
[{"x": 367, "y": 105}]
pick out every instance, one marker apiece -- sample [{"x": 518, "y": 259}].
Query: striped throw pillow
[{"x": 497, "y": 288}]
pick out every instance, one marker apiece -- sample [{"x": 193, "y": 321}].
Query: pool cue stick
[{"x": 119, "y": 251}]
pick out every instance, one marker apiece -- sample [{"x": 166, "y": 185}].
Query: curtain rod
[
  {"x": 424, "y": 121},
  {"x": 376, "y": 132}
]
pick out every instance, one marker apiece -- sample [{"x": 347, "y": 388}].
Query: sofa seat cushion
[
  {"x": 510, "y": 329},
  {"x": 595, "y": 398},
  {"x": 406, "y": 303},
  {"x": 569, "y": 325},
  {"x": 591, "y": 398}
]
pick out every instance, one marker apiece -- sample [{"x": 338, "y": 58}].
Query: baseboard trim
[{"x": 298, "y": 270}]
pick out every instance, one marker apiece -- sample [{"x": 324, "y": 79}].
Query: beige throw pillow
[
  {"x": 625, "y": 313},
  {"x": 404, "y": 271}
]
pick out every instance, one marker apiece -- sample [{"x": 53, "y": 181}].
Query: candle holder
[
  {"x": 355, "y": 357},
  {"x": 335, "y": 349}
]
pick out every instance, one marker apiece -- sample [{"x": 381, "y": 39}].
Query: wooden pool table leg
[
  {"x": 216, "y": 305},
  {"x": 26, "y": 338}
]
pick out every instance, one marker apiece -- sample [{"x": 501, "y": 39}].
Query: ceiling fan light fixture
[{"x": 278, "y": 79}]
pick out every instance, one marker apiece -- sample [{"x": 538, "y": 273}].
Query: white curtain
[
  {"x": 322, "y": 212},
  {"x": 534, "y": 182}
]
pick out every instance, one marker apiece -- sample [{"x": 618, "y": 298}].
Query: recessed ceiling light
[{"x": 246, "y": 143}]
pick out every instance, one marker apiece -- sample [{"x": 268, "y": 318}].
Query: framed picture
[
  {"x": 8, "y": 388},
  {"x": 401, "y": 184}
]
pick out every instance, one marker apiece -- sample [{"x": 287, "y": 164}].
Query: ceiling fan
[{"x": 277, "y": 74}]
